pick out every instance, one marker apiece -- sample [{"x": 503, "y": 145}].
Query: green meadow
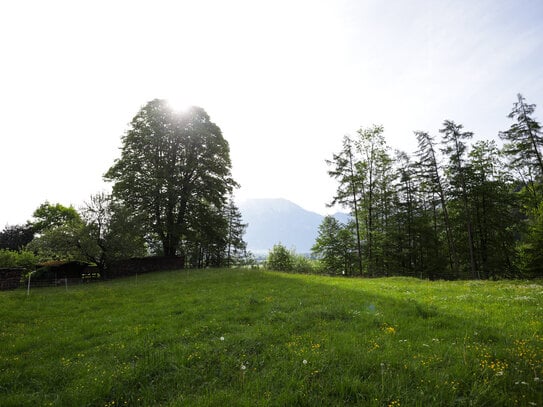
[{"x": 256, "y": 338}]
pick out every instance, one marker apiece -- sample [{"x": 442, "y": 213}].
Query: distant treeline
[{"x": 454, "y": 209}]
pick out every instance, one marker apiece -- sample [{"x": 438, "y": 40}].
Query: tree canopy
[
  {"x": 174, "y": 170},
  {"x": 459, "y": 210}
]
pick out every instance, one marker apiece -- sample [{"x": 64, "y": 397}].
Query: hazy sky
[{"x": 285, "y": 80}]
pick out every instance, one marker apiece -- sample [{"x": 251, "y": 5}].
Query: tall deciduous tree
[
  {"x": 58, "y": 228},
  {"x": 16, "y": 237},
  {"x": 50, "y": 216},
  {"x": 169, "y": 160}
]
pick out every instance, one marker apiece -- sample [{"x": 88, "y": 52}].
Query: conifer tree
[
  {"x": 455, "y": 147},
  {"x": 524, "y": 140}
]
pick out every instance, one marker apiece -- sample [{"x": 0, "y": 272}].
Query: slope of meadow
[{"x": 240, "y": 337}]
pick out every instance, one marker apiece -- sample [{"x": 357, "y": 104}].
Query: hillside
[
  {"x": 252, "y": 338},
  {"x": 273, "y": 221}
]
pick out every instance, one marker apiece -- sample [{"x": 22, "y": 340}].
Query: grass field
[{"x": 254, "y": 338}]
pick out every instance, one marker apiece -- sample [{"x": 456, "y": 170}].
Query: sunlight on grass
[{"x": 226, "y": 337}]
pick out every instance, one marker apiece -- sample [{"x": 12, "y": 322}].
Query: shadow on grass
[{"x": 298, "y": 340}]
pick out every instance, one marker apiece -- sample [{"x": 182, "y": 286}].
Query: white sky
[{"x": 284, "y": 79}]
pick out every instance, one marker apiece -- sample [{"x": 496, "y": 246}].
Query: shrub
[
  {"x": 302, "y": 264},
  {"x": 282, "y": 259},
  {"x": 24, "y": 259}
]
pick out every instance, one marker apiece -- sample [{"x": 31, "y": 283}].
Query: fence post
[{"x": 28, "y": 288}]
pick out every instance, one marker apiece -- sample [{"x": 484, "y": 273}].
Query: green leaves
[
  {"x": 173, "y": 165},
  {"x": 49, "y": 216},
  {"x": 336, "y": 247}
]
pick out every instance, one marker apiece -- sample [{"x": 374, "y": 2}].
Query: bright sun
[{"x": 179, "y": 105}]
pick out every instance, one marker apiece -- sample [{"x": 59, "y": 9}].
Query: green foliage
[
  {"x": 245, "y": 338},
  {"x": 48, "y": 217},
  {"x": 110, "y": 232},
  {"x": 25, "y": 259},
  {"x": 58, "y": 228},
  {"x": 524, "y": 140},
  {"x": 301, "y": 264},
  {"x": 173, "y": 167},
  {"x": 104, "y": 232},
  {"x": 458, "y": 211},
  {"x": 59, "y": 243},
  {"x": 16, "y": 237},
  {"x": 236, "y": 248},
  {"x": 280, "y": 258},
  {"x": 532, "y": 245},
  {"x": 336, "y": 247}
]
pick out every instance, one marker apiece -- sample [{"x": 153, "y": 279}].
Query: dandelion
[
  {"x": 243, "y": 367},
  {"x": 304, "y": 362},
  {"x": 222, "y": 338},
  {"x": 388, "y": 329}
]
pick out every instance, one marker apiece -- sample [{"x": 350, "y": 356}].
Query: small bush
[
  {"x": 24, "y": 259},
  {"x": 302, "y": 264},
  {"x": 282, "y": 259}
]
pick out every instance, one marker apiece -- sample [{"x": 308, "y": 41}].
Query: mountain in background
[{"x": 273, "y": 221}]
